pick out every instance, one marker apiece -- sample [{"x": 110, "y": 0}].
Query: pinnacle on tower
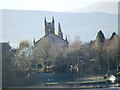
[
  {"x": 45, "y": 20},
  {"x": 53, "y": 20},
  {"x": 60, "y": 34},
  {"x": 33, "y": 41},
  {"x": 66, "y": 39}
]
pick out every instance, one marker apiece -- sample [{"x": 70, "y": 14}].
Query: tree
[
  {"x": 100, "y": 36},
  {"x": 24, "y": 44},
  {"x": 23, "y": 55},
  {"x": 99, "y": 44}
]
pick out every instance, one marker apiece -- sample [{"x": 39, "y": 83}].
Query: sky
[
  {"x": 49, "y": 5},
  {"x": 44, "y": 5}
]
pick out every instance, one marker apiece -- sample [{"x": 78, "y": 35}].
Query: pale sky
[
  {"x": 44, "y": 5},
  {"x": 49, "y": 5}
]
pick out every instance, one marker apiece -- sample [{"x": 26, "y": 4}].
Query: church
[{"x": 50, "y": 39}]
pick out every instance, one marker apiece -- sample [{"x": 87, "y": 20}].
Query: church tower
[
  {"x": 60, "y": 34},
  {"x": 49, "y": 26}
]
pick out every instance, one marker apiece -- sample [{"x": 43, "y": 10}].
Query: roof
[
  {"x": 52, "y": 35},
  {"x": 5, "y": 46}
]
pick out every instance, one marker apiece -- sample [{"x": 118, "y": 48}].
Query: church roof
[{"x": 53, "y": 37}]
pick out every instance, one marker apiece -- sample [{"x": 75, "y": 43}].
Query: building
[
  {"x": 50, "y": 39},
  {"x": 5, "y": 46}
]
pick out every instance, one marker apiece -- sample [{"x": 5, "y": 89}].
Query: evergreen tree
[{"x": 100, "y": 36}]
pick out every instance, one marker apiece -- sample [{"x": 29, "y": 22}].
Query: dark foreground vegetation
[{"x": 95, "y": 58}]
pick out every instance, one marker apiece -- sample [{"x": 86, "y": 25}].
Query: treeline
[{"x": 99, "y": 56}]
